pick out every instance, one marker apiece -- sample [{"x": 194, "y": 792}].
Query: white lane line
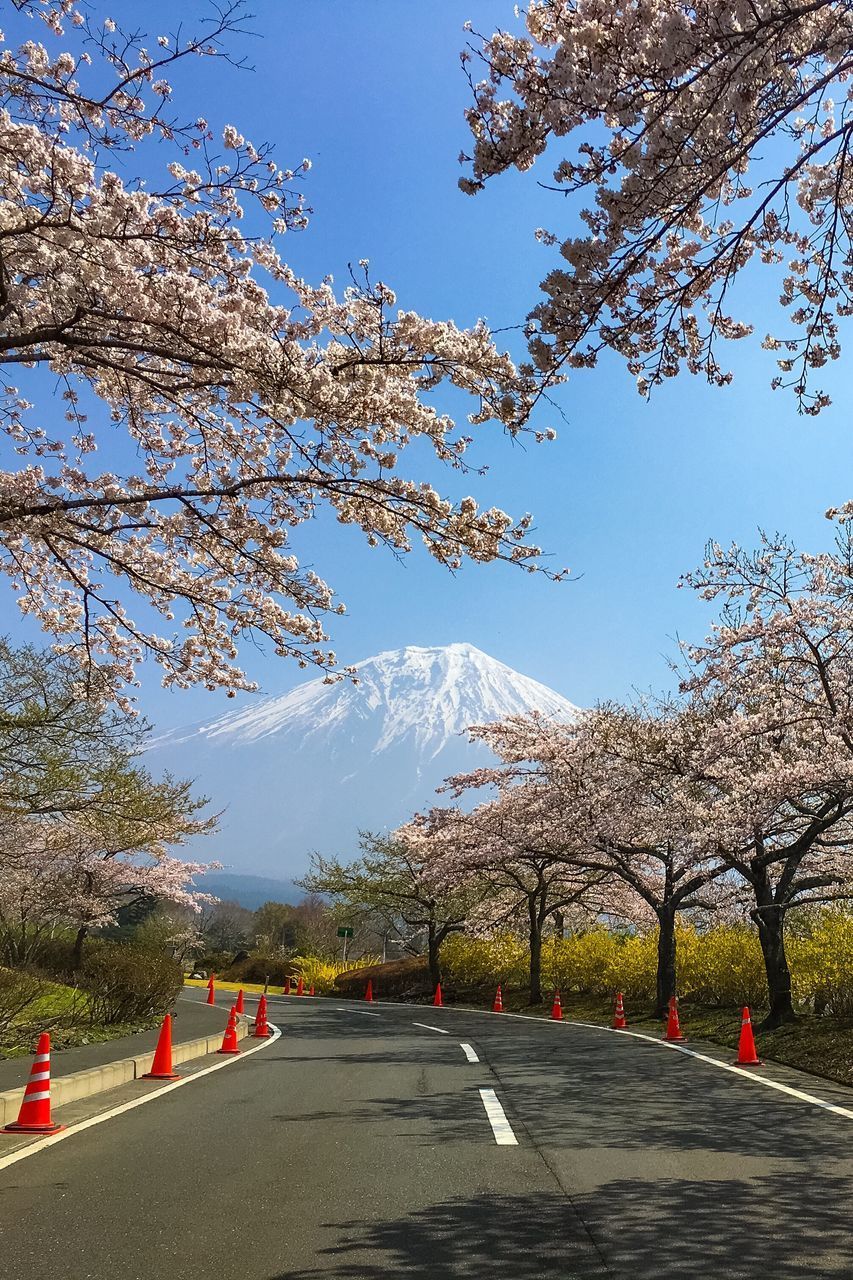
[
  {"x": 426, "y": 1027},
  {"x": 365, "y": 1013},
  {"x": 49, "y": 1141},
  {"x": 501, "y": 1127},
  {"x": 667, "y": 1044},
  {"x": 469, "y": 1053}
]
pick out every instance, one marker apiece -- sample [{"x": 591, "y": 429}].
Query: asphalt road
[{"x": 359, "y": 1147}]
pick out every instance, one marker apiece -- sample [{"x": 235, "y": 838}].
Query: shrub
[
  {"x": 821, "y": 960},
  {"x": 722, "y": 966},
  {"x": 394, "y": 978},
  {"x": 127, "y": 983},
  {"x": 257, "y": 967},
  {"x": 321, "y": 974},
  {"x": 18, "y": 991},
  {"x": 501, "y": 957}
]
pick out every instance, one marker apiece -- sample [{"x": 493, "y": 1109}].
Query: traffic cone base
[
  {"x": 161, "y": 1067},
  {"x": 15, "y": 1127},
  {"x": 34, "y": 1115}
]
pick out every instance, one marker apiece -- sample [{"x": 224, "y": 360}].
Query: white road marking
[
  {"x": 426, "y": 1027},
  {"x": 49, "y": 1141},
  {"x": 365, "y": 1013},
  {"x": 740, "y": 1072},
  {"x": 501, "y": 1127},
  {"x": 469, "y": 1053}
]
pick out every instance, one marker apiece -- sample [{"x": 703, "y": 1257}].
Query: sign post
[{"x": 346, "y": 933}]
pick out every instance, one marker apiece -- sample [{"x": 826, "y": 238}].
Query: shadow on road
[
  {"x": 751, "y": 1230},
  {"x": 515, "y": 1237}
]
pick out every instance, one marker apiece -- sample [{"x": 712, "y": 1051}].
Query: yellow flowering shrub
[
  {"x": 821, "y": 962},
  {"x": 503, "y": 958},
  {"x": 322, "y": 973}
]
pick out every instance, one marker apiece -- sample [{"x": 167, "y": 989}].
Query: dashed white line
[
  {"x": 426, "y": 1027},
  {"x": 365, "y": 1013},
  {"x": 501, "y": 1127},
  {"x": 469, "y": 1053}
]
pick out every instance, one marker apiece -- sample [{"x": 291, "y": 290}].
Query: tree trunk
[
  {"x": 77, "y": 954},
  {"x": 771, "y": 934},
  {"x": 559, "y": 924},
  {"x": 535, "y": 952},
  {"x": 434, "y": 948},
  {"x": 665, "y": 986}
]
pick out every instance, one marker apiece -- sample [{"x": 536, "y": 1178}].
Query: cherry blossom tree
[
  {"x": 704, "y": 139},
  {"x": 775, "y": 683},
  {"x": 84, "y": 828},
  {"x": 620, "y": 782},
  {"x": 519, "y": 850},
  {"x": 78, "y": 871},
  {"x": 176, "y": 335}
]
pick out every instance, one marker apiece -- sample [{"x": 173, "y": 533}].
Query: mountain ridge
[{"x": 306, "y": 770}]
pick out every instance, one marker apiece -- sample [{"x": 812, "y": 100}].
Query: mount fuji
[{"x": 307, "y": 770}]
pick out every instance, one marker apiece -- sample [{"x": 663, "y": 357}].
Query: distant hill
[
  {"x": 307, "y": 770},
  {"x": 249, "y": 891}
]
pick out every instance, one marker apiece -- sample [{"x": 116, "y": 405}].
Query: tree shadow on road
[
  {"x": 516, "y": 1237},
  {"x": 756, "y": 1229}
]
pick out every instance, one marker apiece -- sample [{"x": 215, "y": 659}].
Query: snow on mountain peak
[
  {"x": 422, "y": 695},
  {"x": 308, "y": 770}
]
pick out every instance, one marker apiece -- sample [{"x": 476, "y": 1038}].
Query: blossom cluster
[
  {"x": 709, "y": 137},
  {"x": 248, "y": 398}
]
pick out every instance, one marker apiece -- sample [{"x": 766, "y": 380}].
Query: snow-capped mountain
[{"x": 309, "y": 769}]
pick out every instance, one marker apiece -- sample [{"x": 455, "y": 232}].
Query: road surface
[{"x": 360, "y": 1146}]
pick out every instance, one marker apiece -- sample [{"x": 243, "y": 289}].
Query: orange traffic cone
[
  {"x": 746, "y": 1051},
  {"x": 229, "y": 1040},
  {"x": 300, "y": 986},
  {"x": 673, "y": 1026},
  {"x": 436, "y": 1000},
  {"x": 210, "y": 991},
  {"x": 557, "y": 1008},
  {"x": 368, "y": 994},
  {"x": 262, "y": 1029},
  {"x": 161, "y": 1067},
  {"x": 311, "y": 989},
  {"x": 239, "y": 1006},
  {"x": 286, "y": 990},
  {"x": 619, "y": 1020},
  {"x": 34, "y": 1115},
  {"x": 498, "y": 1006}
]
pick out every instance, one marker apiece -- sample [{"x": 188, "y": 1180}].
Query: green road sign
[{"x": 345, "y": 933}]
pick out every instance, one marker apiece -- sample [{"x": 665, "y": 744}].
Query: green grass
[{"x": 63, "y": 1011}]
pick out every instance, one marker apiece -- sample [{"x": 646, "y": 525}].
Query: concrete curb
[{"x": 83, "y": 1084}]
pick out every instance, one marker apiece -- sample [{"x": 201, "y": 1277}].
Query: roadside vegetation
[{"x": 94, "y": 907}]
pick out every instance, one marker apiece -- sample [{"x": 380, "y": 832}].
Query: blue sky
[{"x": 628, "y": 495}]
